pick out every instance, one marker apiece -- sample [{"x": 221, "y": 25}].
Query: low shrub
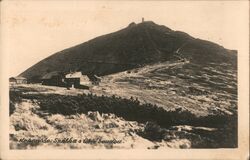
[
  {"x": 132, "y": 110},
  {"x": 129, "y": 109}
]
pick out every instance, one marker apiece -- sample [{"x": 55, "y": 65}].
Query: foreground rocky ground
[
  {"x": 53, "y": 114},
  {"x": 95, "y": 130}
]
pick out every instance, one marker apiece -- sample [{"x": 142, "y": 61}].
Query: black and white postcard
[{"x": 124, "y": 79}]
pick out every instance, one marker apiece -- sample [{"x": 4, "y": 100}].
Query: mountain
[
  {"x": 132, "y": 47},
  {"x": 181, "y": 91}
]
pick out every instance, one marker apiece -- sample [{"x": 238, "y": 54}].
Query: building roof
[
  {"x": 12, "y": 79},
  {"x": 74, "y": 75},
  {"x": 18, "y": 78},
  {"x": 52, "y": 74}
]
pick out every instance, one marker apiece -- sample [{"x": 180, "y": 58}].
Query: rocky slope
[
  {"x": 202, "y": 89},
  {"x": 78, "y": 121}
]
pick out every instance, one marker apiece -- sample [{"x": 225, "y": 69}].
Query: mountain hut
[
  {"x": 77, "y": 80},
  {"x": 17, "y": 80},
  {"x": 54, "y": 79}
]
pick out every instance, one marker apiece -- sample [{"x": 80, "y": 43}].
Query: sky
[{"x": 34, "y": 30}]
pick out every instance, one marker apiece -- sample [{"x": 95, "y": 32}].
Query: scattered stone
[{"x": 95, "y": 116}]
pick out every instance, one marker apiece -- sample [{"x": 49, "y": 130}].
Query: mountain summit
[{"x": 131, "y": 47}]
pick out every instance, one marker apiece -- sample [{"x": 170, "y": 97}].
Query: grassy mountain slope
[{"x": 131, "y": 47}]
